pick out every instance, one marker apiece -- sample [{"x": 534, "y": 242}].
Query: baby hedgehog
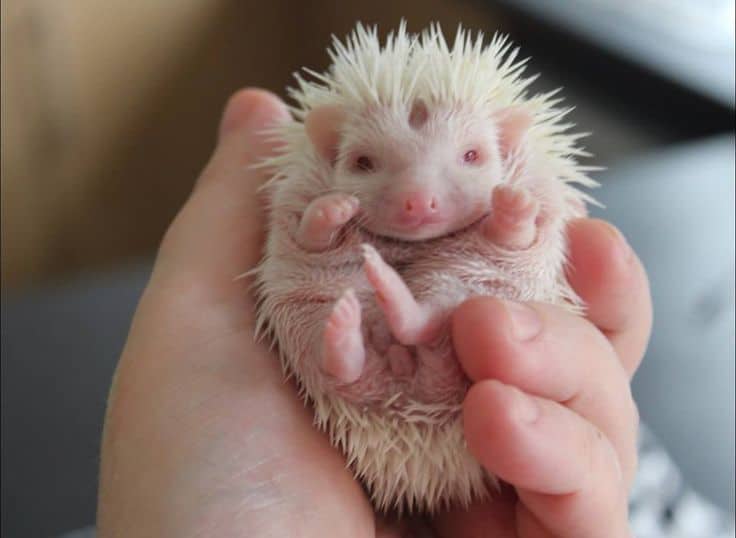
[{"x": 416, "y": 175}]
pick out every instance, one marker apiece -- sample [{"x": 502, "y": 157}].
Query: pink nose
[{"x": 418, "y": 206}]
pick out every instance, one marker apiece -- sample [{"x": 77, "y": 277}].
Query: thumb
[{"x": 218, "y": 233}]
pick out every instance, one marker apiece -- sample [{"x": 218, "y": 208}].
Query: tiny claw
[{"x": 369, "y": 252}]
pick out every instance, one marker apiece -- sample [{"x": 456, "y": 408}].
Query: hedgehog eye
[
  {"x": 471, "y": 156},
  {"x": 364, "y": 164}
]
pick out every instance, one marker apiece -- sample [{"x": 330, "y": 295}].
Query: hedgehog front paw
[
  {"x": 343, "y": 352},
  {"x": 323, "y": 218},
  {"x": 512, "y": 222}
]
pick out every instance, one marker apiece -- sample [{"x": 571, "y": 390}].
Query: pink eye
[
  {"x": 470, "y": 156},
  {"x": 364, "y": 164}
]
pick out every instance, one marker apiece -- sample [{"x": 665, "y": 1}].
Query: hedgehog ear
[
  {"x": 513, "y": 124},
  {"x": 323, "y": 129}
]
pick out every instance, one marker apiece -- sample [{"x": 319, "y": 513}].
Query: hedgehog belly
[{"x": 402, "y": 436}]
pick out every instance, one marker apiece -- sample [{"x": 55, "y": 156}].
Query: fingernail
[
  {"x": 236, "y": 112},
  {"x": 245, "y": 108},
  {"x": 526, "y": 409},
  {"x": 525, "y": 321}
]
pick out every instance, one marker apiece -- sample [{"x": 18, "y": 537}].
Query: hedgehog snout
[{"x": 414, "y": 208}]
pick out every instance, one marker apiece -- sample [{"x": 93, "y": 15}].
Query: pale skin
[{"x": 203, "y": 437}]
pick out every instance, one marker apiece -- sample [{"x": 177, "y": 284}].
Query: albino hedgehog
[{"x": 417, "y": 175}]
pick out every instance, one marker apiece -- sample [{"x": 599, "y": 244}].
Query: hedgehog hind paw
[{"x": 343, "y": 351}]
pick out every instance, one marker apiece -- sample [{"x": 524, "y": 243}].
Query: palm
[
  {"x": 216, "y": 396},
  {"x": 199, "y": 407}
]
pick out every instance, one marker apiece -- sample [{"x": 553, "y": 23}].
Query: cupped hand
[
  {"x": 202, "y": 435},
  {"x": 550, "y": 411},
  {"x": 204, "y": 438}
]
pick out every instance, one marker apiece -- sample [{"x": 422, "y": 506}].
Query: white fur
[{"x": 403, "y": 439}]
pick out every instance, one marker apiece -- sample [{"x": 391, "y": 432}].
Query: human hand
[
  {"x": 202, "y": 436},
  {"x": 550, "y": 411}
]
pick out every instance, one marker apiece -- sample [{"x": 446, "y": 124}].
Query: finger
[
  {"x": 609, "y": 277},
  {"x": 218, "y": 233},
  {"x": 551, "y": 353},
  {"x": 565, "y": 471}
]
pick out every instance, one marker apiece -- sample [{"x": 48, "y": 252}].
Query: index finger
[
  {"x": 609, "y": 277},
  {"x": 218, "y": 233}
]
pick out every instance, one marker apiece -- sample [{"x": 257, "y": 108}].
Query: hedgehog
[{"x": 415, "y": 174}]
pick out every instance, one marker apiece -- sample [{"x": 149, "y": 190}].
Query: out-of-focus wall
[{"x": 109, "y": 109}]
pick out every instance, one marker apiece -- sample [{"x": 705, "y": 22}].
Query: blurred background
[{"x": 109, "y": 111}]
